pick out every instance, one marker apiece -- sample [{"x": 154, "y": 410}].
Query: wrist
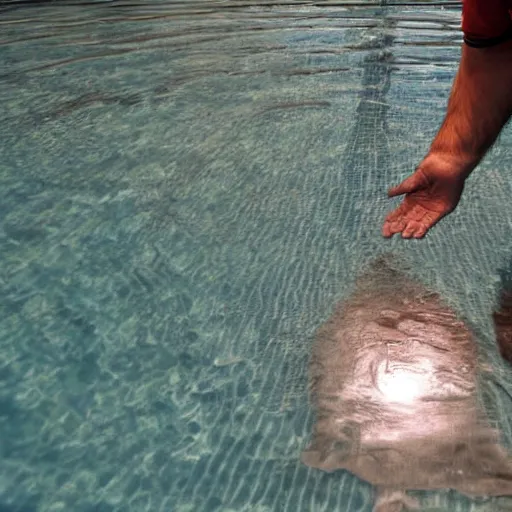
[
  {"x": 460, "y": 145},
  {"x": 456, "y": 166}
]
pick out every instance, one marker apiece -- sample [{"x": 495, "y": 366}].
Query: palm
[{"x": 429, "y": 196}]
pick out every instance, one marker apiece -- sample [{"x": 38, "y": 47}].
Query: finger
[
  {"x": 392, "y": 216},
  {"x": 395, "y": 221},
  {"x": 411, "y": 227},
  {"x": 386, "y": 231},
  {"x": 391, "y": 228},
  {"x": 432, "y": 219},
  {"x": 400, "y": 212},
  {"x": 398, "y": 225},
  {"x": 422, "y": 214},
  {"x": 426, "y": 223},
  {"x": 413, "y": 183},
  {"x": 421, "y": 231}
]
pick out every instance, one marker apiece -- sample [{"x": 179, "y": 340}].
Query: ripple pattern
[{"x": 186, "y": 190}]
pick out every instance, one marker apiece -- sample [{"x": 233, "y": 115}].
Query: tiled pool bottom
[{"x": 185, "y": 192}]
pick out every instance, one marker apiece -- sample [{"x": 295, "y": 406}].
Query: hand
[{"x": 431, "y": 192}]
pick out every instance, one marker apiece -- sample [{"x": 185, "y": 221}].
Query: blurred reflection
[{"x": 394, "y": 383}]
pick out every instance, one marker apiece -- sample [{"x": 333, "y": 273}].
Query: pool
[{"x": 186, "y": 190}]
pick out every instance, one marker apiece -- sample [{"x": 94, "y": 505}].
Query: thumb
[{"x": 413, "y": 183}]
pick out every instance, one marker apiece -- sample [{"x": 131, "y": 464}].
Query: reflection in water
[
  {"x": 185, "y": 189},
  {"x": 403, "y": 385},
  {"x": 394, "y": 382}
]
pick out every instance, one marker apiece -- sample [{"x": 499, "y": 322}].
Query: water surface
[{"x": 186, "y": 190}]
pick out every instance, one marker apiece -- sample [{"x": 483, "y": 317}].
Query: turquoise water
[{"x": 186, "y": 190}]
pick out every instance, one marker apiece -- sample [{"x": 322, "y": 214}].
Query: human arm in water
[{"x": 479, "y": 106}]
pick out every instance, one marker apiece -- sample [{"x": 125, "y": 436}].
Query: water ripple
[{"x": 187, "y": 183}]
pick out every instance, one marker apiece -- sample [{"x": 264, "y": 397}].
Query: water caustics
[{"x": 186, "y": 191}]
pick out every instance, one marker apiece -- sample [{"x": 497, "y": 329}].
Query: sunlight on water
[
  {"x": 402, "y": 385},
  {"x": 186, "y": 191}
]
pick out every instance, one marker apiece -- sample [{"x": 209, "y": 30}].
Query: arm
[{"x": 480, "y": 105}]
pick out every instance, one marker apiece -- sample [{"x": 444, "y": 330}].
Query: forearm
[{"x": 480, "y": 105}]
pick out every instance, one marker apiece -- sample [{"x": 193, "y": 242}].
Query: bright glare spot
[{"x": 402, "y": 386}]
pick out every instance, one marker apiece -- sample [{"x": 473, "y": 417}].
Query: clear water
[{"x": 186, "y": 189}]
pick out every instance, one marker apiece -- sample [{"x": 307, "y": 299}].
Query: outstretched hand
[{"x": 431, "y": 193}]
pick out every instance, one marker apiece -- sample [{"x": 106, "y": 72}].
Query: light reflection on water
[{"x": 186, "y": 190}]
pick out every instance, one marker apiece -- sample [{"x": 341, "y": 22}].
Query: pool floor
[{"x": 186, "y": 190}]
